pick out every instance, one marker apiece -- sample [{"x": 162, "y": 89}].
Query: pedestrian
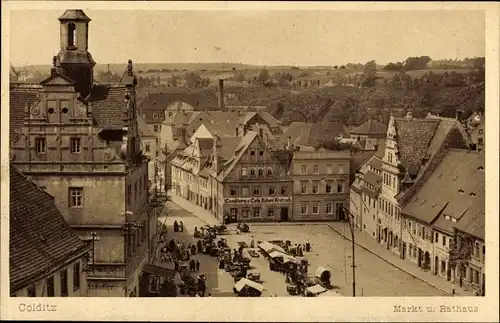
[
  {"x": 308, "y": 245},
  {"x": 181, "y": 227},
  {"x": 252, "y": 243},
  {"x": 199, "y": 246},
  {"x": 176, "y": 226},
  {"x": 197, "y": 265}
]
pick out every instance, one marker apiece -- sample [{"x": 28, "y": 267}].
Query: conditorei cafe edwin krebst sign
[{"x": 257, "y": 200}]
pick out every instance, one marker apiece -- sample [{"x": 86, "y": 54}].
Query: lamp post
[
  {"x": 93, "y": 237},
  {"x": 351, "y": 227}
]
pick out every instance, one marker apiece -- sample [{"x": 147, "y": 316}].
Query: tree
[
  {"x": 461, "y": 247},
  {"x": 263, "y": 76},
  {"x": 174, "y": 79},
  {"x": 370, "y": 70},
  {"x": 336, "y": 67},
  {"x": 333, "y": 144},
  {"x": 416, "y": 63},
  {"x": 240, "y": 77}
]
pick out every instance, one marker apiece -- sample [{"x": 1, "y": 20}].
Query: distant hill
[{"x": 144, "y": 67}]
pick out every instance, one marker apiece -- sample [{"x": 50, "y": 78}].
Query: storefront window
[
  {"x": 256, "y": 212},
  {"x": 245, "y": 212}
]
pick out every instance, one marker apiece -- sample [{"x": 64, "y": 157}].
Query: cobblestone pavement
[{"x": 374, "y": 276}]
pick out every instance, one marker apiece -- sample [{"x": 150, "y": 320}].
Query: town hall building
[{"x": 79, "y": 141}]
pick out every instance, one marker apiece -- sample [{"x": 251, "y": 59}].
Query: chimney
[{"x": 221, "y": 94}]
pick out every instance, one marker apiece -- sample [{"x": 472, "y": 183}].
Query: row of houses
[{"x": 422, "y": 197}]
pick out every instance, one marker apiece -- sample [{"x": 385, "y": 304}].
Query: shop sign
[{"x": 257, "y": 200}]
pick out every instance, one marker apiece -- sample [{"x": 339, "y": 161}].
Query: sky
[{"x": 301, "y": 38}]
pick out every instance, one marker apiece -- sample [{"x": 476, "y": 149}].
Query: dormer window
[{"x": 71, "y": 35}]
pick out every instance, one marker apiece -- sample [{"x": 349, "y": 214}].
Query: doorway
[
  {"x": 284, "y": 214},
  {"x": 436, "y": 265},
  {"x": 403, "y": 254},
  {"x": 427, "y": 260}
]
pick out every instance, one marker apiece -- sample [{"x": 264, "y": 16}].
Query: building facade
[
  {"x": 47, "y": 259},
  {"x": 420, "y": 155},
  {"x": 431, "y": 221},
  {"x": 237, "y": 177},
  {"x": 80, "y": 142},
  {"x": 320, "y": 184}
]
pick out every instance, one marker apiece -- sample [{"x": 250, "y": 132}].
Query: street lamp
[
  {"x": 351, "y": 227},
  {"x": 93, "y": 237}
]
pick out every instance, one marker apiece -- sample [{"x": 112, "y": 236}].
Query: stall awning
[
  {"x": 316, "y": 289},
  {"x": 269, "y": 247},
  {"x": 247, "y": 282},
  {"x": 319, "y": 272},
  {"x": 276, "y": 254}
]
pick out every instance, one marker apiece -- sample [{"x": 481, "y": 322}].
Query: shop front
[{"x": 258, "y": 209}]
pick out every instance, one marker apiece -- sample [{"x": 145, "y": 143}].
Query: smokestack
[{"x": 221, "y": 94}]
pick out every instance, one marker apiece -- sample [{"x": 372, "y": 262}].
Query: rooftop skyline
[{"x": 304, "y": 38}]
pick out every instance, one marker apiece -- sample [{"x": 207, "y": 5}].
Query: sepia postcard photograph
[{"x": 250, "y": 161}]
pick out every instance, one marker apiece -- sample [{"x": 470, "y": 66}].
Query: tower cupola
[{"x": 76, "y": 62}]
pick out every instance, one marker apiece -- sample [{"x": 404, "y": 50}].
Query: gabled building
[
  {"x": 471, "y": 227},
  {"x": 451, "y": 198},
  {"x": 371, "y": 129},
  {"x": 413, "y": 148},
  {"x": 312, "y": 134},
  {"x": 151, "y": 149},
  {"x": 186, "y": 126},
  {"x": 46, "y": 258},
  {"x": 80, "y": 142},
  {"x": 240, "y": 177},
  {"x": 475, "y": 128}
]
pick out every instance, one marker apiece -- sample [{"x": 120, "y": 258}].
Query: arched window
[{"x": 71, "y": 34}]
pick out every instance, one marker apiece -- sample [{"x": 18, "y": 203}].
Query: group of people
[{"x": 178, "y": 227}]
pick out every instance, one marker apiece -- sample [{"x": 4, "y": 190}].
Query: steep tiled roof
[
  {"x": 108, "y": 106},
  {"x": 19, "y": 100},
  {"x": 236, "y": 153},
  {"x": 74, "y": 14},
  {"x": 372, "y": 179},
  {"x": 222, "y": 122},
  {"x": 205, "y": 143},
  {"x": 310, "y": 134},
  {"x": 473, "y": 224},
  {"x": 272, "y": 121},
  {"x": 456, "y": 188},
  {"x": 370, "y": 127},
  {"x": 375, "y": 162},
  {"x": 185, "y": 117},
  {"x": 144, "y": 130},
  {"x": 40, "y": 238},
  {"x": 413, "y": 138}
]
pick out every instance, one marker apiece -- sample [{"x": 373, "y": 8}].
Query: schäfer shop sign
[{"x": 257, "y": 200}]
